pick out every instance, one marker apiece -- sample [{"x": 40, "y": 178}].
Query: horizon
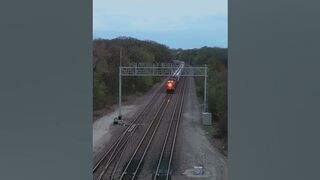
[
  {"x": 124, "y": 37},
  {"x": 176, "y": 24}
]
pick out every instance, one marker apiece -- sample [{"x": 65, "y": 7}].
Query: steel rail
[
  {"x": 164, "y": 145},
  {"x": 114, "y": 155},
  {"x": 169, "y": 130},
  {"x": 120, "y": 137},
  {"x": 117, "y": 150},
  {"x": 161, "y": 110},
  {"x": 175, "y": 135}
]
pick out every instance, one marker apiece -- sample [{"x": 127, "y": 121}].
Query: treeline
[
  {"x": 106, "y": 60},
  {"x": 217, "y": 62}
]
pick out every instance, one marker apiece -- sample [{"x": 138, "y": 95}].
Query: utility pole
[{"x": 120, "y": 116}]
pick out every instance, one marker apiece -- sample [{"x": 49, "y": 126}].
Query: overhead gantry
[{"x": 164, "y": 69}]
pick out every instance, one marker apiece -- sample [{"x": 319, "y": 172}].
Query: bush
[{"x": 99, "y": 92}]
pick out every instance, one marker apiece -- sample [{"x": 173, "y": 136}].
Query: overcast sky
[{"x": 176, "y": 23}]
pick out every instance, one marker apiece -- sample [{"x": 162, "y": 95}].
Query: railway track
[
  {"x": 108, "y": 162},
  {"x": 105, "y": 166},
  {"x": 163, "y": 170},
  {"x": 133, "y": 166}
]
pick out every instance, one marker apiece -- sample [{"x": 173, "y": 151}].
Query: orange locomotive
[
  {"x": 174, "y": 79},
  {"x": 170, "y": 85}
]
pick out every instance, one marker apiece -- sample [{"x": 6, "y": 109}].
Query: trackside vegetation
[
  {"x": 106, "y": 59},
  {"x": 217, "y": 62}
]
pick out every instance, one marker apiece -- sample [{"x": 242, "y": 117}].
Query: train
[{"x": 173, "y": 80}]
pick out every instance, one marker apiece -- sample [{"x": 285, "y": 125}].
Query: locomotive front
[{"x": 174, "y": 79}]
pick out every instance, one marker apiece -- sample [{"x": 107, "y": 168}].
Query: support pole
[
  {"x": 205, "y": 109},
  {"x": 120, "y": 90}
]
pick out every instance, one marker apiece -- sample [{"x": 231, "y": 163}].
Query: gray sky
[{"x": 176, "y": 23}]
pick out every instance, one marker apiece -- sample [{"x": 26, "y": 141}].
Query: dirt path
[
  {"x": 102, "y": 127},
  {"x": 193, "y": 147}
]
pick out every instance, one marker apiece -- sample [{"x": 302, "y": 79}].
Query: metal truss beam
[{"x": 161, "y": 71}]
